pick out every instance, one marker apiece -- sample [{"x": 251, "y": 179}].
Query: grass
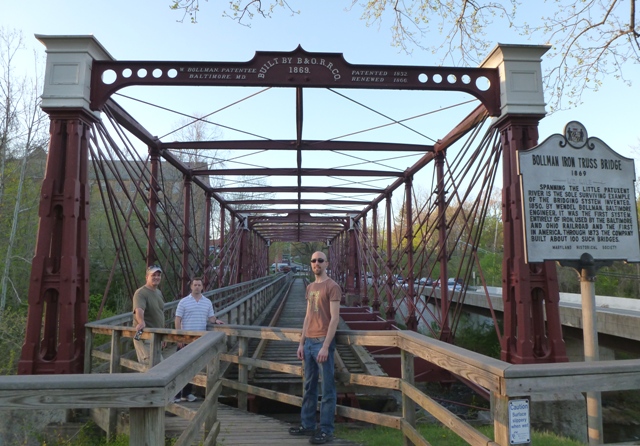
[
  {"x": 435, "y": 434},
  {"x": 92, "y": 435}
]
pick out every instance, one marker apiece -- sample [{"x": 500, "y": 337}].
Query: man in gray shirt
[{"x": 148, "y": 310}]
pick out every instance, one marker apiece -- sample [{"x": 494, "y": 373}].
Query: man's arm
[
  {"x": 139, "y": 316},
  {"x": 178, "y": 323},
  {"x": 334, "y": 308},
  {"x": 305, "y": 326},
  {"x": 215, "y": 320}
]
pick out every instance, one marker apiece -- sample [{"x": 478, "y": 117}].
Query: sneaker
[
  {"x": 300, "y": 430},
  {"x": 191, "y": 398},
  {"x": 177, "y": 400},
  {"x": 321, "y": 438}
]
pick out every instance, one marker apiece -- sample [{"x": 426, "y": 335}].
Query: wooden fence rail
[
  {"x": 148, "y": 394},
  {"x": 505, "y": 381}
]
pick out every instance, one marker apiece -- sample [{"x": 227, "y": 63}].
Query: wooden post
[
  {"x": 213, "y": 370},
  {"x": 88, "y": 346},
  {"x": 146, "y": 426},
  {"x": 500, "y": 409},
  {"x": 114, "y": 367},
  {"x": 408, "y": 406},
  {"x": 243, "y": 373},
  {"x": 155, "y": 350},
  {"x": 591, "y": 348}
]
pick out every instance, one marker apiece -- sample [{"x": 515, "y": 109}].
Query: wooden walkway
[
  {"x": 292, "y": 316},
  {"x": 240, "y": 428}
]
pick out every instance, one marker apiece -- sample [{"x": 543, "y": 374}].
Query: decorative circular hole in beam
[
  {"x": 483, "y": 83},
  {"x": 109, "y": 77}
]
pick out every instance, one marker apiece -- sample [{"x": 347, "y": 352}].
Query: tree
[
  {"x": 22, "y": 138},
  {"x": 10, "y": 92},
  {"x": 590, "y": 39}
]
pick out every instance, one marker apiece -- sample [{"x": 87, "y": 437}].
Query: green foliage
[
  {"x": 478, "y": 337},
  {"x": 13, "y": 322},
  {"x": 491, "y": 264},
  {"x": 437, "y": 435},
  {"x": 89, "y": 435},
  {"x": 92, "y": 435}
]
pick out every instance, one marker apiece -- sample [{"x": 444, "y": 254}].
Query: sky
[{"x": 149, "y": 30}]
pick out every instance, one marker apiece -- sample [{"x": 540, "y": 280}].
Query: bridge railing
[
  {"x": 235, "y": 304},
  {"x": 146, "y": 395},
  {"x": 505, "y": 381}
]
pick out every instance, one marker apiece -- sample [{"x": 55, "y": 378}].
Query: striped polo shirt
[{"x": 194, "y": 313}]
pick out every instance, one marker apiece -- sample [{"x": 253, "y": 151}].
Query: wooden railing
[
  {"x": 235, "y": 304},
  {"x": 505, "y": 381},
  {"x": 146, "y": 395}
]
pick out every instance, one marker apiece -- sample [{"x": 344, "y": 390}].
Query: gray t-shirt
[{"x": 152, "y": 302}]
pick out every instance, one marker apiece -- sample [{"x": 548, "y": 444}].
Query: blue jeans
[{"x": 312, "y": 371}]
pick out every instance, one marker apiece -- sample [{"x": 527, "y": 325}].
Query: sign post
[{"x": 579, "y": 208}]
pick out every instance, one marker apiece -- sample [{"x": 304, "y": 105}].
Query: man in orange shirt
[{"x": 316, "y": 349}]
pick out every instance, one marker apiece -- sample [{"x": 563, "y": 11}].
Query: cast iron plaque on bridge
[{"x": 578, "y": 197}]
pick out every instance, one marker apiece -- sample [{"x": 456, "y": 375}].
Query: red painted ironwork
[
  {"x": 186, "y": 234},
  {"x": 221, "y": 269},
  {"x": 298, "y": 68},
  {"x": 207, "y": 240},
  {"x": 529, "y": 291},
  {"x": 59, "y": 288},
  {"x": 59, "y": 275},
  {"x": 154, "y": 188}
]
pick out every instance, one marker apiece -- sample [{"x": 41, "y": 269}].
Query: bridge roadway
[
  {"x": 289, "y": 312},
  {"x": 617, "y": 317},
  {"x": 242, "y": 428}
]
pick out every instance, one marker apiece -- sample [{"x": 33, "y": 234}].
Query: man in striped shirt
[{"x": 193, "y": 313}]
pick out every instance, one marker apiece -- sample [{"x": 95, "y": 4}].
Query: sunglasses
[{"x": 317, "y": 260}]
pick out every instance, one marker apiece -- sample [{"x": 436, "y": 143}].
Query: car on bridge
[
  {"x": 453, "y": 284},
  {"x": 425, "y": 281}
]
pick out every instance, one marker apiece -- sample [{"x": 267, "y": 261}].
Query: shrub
[{"x": 13, "y": 323}]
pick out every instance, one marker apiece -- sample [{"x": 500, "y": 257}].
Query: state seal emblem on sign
[{"x": 575, "y": 134}]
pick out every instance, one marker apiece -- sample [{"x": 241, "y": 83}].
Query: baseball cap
[{"x": 153, "y": 268}]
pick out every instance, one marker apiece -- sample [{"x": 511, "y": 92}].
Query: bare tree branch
[{"x": 591, "y": 39}]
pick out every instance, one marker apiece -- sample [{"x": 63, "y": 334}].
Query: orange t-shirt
[{"x": 318, "y": 297}]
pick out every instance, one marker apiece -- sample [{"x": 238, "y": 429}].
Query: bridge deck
[
  {"x": 292, "y": 316},
  {"x": 242, "y": 428}
]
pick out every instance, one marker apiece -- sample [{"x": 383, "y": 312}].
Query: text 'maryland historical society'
[{"x": 578, "y": 197}]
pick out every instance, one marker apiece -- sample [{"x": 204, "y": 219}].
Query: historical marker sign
[{"x": 578, "y": 197}]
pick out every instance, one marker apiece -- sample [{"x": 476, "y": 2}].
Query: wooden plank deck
[{"x": 240, "y": 428}]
